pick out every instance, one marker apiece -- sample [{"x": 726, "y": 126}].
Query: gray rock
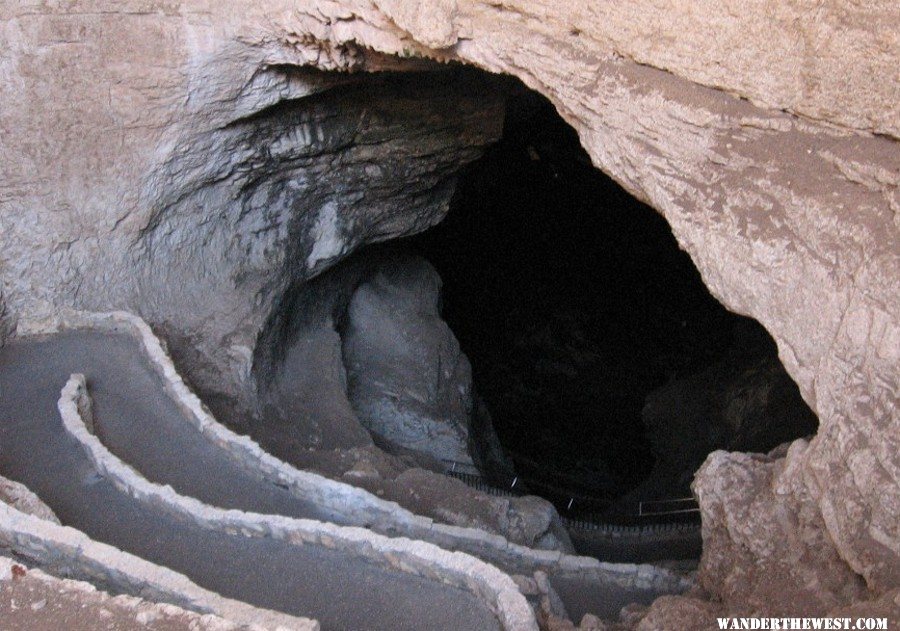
[
  {"x": 408, "y": 380},
  {"x": 308, "y": 399},
  {"x": 23, "y": 499},
  {"x": 300, "y": 376}
]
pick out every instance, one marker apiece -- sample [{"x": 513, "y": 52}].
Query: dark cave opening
[{"x": 602, "y": 363}]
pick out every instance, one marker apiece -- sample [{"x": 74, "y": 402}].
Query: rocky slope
[{"x": 185, "y": 160}]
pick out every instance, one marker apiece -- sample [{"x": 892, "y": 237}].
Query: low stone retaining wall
[
  {"x": 69, "y": 552},
  {"x": 496, "y": 589},
  {"x": 354, "y": 506}
]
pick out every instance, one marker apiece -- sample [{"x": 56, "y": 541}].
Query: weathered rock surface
[
  {"x": 298, "y": 186},
  {"x": 259, "y": 190},
  {"x": 7, "y": 323},
  {"x": 756, "y": 540},
  {"x": 307, "y": 403},
  {"x": 169, "y": 157},
  {"x": 408, "y": 381},
  {"x": 678, "y": 612},
  {"x": 301, "y": 378}
]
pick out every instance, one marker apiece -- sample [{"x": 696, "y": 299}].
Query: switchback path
[{"x": 341, "y": 591}]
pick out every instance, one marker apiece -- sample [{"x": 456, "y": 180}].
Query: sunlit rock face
[{"x": 185, "y": 161}]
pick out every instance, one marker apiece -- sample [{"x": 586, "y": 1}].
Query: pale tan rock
[
  {"x": 115, "y": 116},
  {"x": 779, "y": 55},
  {"x": 590, "y": 622},
  {"x": 430, "y": 22},
  {"x": 762, "y": 533},
  {"x": 885, "y": 607},
  {"x": 691, "y": 613},
  {"x": 631, "y": 614},
  {"x": 679, "y": 612}
]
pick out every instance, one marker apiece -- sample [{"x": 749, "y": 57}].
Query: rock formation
[
  {"x": 34, "y": 600},
  {"x": 407, "y": 379},
  {"x": 191, "y": 162}
]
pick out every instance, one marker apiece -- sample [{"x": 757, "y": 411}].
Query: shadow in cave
[{"x": 600, "y": 360}]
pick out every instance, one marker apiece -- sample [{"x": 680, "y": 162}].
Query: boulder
[{"x": 408, "y": 380}]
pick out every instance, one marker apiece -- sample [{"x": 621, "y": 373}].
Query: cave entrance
[
  {"x": 545, "y": 335},
  {"x": 600, "y": 361}
]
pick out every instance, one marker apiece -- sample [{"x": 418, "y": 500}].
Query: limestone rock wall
[
  {"x": 275, "y": 197},
  {"x": 831, "y": 64},
  {"x": 143, "y": 168}
]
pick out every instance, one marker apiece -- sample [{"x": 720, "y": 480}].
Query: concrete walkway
[{"x": 342, "y": 592}]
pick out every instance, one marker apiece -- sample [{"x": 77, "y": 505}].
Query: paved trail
[{"x": 340, "y": 591}]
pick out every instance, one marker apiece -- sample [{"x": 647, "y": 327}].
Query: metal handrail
[
  {"x": 695, "y": 508},
  {"x": 474, "y": 478}
]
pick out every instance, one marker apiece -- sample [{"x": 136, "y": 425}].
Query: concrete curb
[
  {"x": 496, "y": 589},
  {"x": 352, "y": 505},
  {"x": 69, "y": 552}
]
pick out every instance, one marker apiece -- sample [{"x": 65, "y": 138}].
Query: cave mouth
[
  {"x": 600, "y": 361},
  {"x": 522, "y": 319}
]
